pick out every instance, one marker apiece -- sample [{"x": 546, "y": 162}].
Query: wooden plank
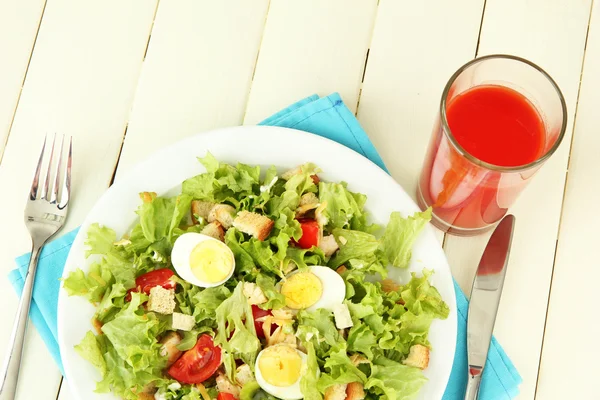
[
  {"x": 416, "y": 47},
  {"x": 80, "y": 82},
  {"x": 197, "y": 72},
  {"x": 571, "y": 346},
  {"x": 19, "y": 22},
  {"x": 310, "y": 46},
  {"x": 402, "y": 83},
  {"x": 552, "y": 34}
]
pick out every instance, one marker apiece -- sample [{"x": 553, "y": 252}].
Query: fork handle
[{"x": 12, "y": 362}]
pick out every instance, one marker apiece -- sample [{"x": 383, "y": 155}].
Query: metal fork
[{"x": 45, "y": 214}]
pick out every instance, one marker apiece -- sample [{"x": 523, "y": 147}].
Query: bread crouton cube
[
  {"x": 214, "y": 230},
  {"x": 328, "y": 245},
  {"x": 201, "y": 209},
  {"x": 254, "y": 293},
  {"x": 183, "y": 322},
  {"x": 355, "y": 391},
  {"x": 417, "y": 357},
  {"x": 223, "y": 213},
  {"x": 336, "y": 392},
  {"x": 253, "y": 224},
  {"x": 161, "y": 300}
]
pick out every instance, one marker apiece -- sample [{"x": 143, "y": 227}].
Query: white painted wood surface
[
  {"x": 576, "y": 269},
  {"x": 80, "y": 82},
  {"x": 110, "y": 71},
  {"x": 19, "y": 22}
]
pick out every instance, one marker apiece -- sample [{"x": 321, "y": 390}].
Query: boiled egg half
[
  {"x": 319, "y": 287},
  {"x": 278, "y": 371},
  {"x": 202, "y": 260}
]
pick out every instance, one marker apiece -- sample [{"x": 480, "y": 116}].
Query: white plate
[{"x": 165, "y": 170}]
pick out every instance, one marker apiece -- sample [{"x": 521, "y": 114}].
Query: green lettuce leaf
[
  {"x": 343, "y": 209},
  {"x": 89, "y": 349},
  {"x": 394, "y": 381},
  {"x": 159, "y": 216},
  {"x": 91, "y": 285},
  {"x": 339, "y": 369},
  {"x": 400, "y": 235},
  {"x": 99, "y": 240},
  {"x": 236, "y": 334},
  {"x": 275, "y": 300},
  {"x": 308, "y": 382}
]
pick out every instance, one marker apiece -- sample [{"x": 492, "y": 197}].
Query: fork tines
[{"x": 59, "y": 192}]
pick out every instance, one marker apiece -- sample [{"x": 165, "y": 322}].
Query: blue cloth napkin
[{"x": 330, "y": 118}]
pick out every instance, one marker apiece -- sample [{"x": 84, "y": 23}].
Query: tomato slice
[
  {"x": 257, "y": 313},
  {"x": 310, "y": 233},
  {"x": 225, "y": 396},
  {"x": 158, "y": 277},
  {"x": 197, "y": 364}
]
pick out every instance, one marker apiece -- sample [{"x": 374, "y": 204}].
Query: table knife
[{"x": 485, "y": 298}]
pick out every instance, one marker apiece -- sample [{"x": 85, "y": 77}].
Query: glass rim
[{"x": 493, "y": 167}]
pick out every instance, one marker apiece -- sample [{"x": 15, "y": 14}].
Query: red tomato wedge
[
  {"x": 145, "y": 282},
  {"x": 257, "y": 313},
  {"x": 197, "y": 364},
  {"x": 226, "y": 396},
  {"x": 310, "y": 233}
]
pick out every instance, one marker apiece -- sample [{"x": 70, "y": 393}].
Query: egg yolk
[
  {"x": 210, "y": 261},
  {"x": 302, "y": 290},
  {"x": 280, "y": 365}
]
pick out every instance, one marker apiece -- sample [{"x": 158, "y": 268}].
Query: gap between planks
[
  {"x": 562, "y": 207},
  {"x": 112, "y": 179},
  {"x": 262, "y": 36},
  {"x": 12, "y": 120}
]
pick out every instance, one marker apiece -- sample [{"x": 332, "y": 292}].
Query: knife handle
[{"x": 473, "y": 385}]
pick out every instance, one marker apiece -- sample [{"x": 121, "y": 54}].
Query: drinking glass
[{"x": 468, "y": 195}]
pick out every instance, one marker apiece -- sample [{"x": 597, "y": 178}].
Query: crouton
[
  {"x": 341, "y": 269},
  {"x": 215, "y": 230},
  {"x": 183, "y": 322},
  {"x": 355, "y": 391},
  {"x": 342, "y": 316},
  {"x": 145, "y": 396},
  {"x": 336, "y": 392},
  {"x": 169, "y": 347},
  {"x": 224, "y": 385},
  {"x": 417, "y": 357},
  {"x": 388, "y": 285},
  {"x": 253, "y": 224},
  {"x": 223, "y": 213},
  {"x": 201, "y": 209},
  {"x": 291, "y": 172},
  {"x": 161, "y": 300},
  {"x": 357, "y": 359},
  {"x": 254, "y": 293},
  {"x": 328, "y": 245},
  {"x": 243, "y": 375}
]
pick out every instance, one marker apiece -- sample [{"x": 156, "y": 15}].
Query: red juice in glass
[{"x": 492, "y": 135}]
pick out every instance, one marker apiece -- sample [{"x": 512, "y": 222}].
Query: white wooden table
[{"x": 128, "y": 77}]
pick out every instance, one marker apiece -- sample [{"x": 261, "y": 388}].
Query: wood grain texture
[
  {"x": 19, "y": 22},
  {"x": 551, "y": 34},
  {"x": 571, "y": 346},
  {"x": 80, "y": 82},
  {"x": 197, "y": 72},
  {"x": 415, "y": 49},
  {"x": 310, "y": 46}
]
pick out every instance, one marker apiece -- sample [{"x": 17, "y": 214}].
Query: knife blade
[{"x": 485, "y": 298}]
